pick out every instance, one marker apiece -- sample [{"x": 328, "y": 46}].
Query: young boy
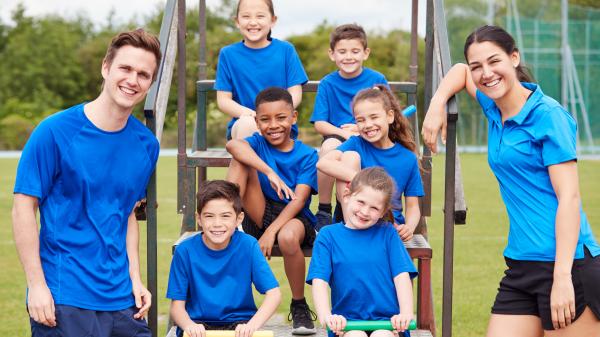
[
  {"x": 212, "y": 273},
  {"x": 277, "y": 176},
  {"x": 332, "y": 115}
]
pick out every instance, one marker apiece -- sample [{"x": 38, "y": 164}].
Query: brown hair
[
  {"x": 377, "y": 179},
  {"x": 500, "y": 38},
  {"x": 348, "y": 32},
  {"x": 138, "y": 38},
  {"x": 218, "y": 189},
  {"x": 268, "y": 2},
  {"x": 400, "y": 130}
]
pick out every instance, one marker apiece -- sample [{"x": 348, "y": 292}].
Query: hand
[
  {"x": 336, "y": 323},
  {"x": 434, "y": 122},
  {"x": 266, "y": 242},
  {"x": 562, "y": 302},
  {"x": 404, "y": 231},
  {"x": 245, "y": 330},
  {"x": 401, "y": 321},
  {"x": 195, "y": 330},
  {"x": 41, "y": 305},
  {"x": 350, "y": 127},
  {"x": 283, "y": 191},
  {"x": 143, "y": 299},
  {"x": 248, "y": 113}
]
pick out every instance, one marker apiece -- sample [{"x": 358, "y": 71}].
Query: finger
[
  {"x": 51, "y": 315},
  {"x": 268, "y": 253},
  {"x": 444, "y": 125},
  {"x": 146, "y": 303},
  {"x": 554, "y": 317},
  {"x": 568, "y": 317}
]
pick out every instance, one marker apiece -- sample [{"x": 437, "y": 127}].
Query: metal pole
[{"x": 565, "y": 42}]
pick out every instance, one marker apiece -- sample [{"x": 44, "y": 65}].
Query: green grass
[{"x": 478, "y": 246}]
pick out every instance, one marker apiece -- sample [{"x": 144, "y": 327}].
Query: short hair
[
  {"x": 218, "y": 189},
  {"x": 273, "y": 94},
  {"x": 138, "y": 38},
  {"x": 349, "y": 31}
]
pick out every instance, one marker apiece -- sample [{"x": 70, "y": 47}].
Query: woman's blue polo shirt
[{"x": 543, "y": 133}]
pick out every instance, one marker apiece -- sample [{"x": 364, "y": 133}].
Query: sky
[{"x": 295, "y": 17}]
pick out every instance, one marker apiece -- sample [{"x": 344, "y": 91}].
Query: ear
[
  {"x": 105, "y": 69},
  {"x": 515, "y": 58},
  {"x": 294, "y": 116},
  {"x": 198, "y": 223},
  {"x": 274, "y": 20},
  {"x": 346, "y": 194},
  {"x": 240, "y": 218},
  {"x": 330, "y": 53},
  {"x": 389, "y": 115},
  {"x": 367, "y": 53}
]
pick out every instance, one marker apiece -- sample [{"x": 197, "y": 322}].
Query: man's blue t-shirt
[
  {"x": 543, "y": 133},
  {"x": 217, "y": 284},
  {"x": 399, "y": 162},
  {"x": 335, "y": 94},
  {"x": 298, "y": 166},
  {"x": 245, "y": 72},
  {"x": 87, "y": 182},
  {"x": 361, "y": 280}
]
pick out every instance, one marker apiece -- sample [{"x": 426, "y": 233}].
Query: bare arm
[
  {"x": 183, "y": 320},
  {"x": 411, "y": 218},
  {"x": 25, "y": 230},
  {"x": 264, "y": 312},
  {"x": 457, "y": 79},
  {"x": 405, "y": 299},
  {"x": 326, "y": 128},
  {"x": 330, "y": 164},
  {"x": 226, "y": 104},
  {"x": 565, "y": 182},
  {"x": 336, "y": 323},
  {"x": 143, "y": 298},
  {"x": 296, "y": 92}
]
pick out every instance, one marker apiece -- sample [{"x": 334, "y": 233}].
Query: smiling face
[
  {"x": 349, "y": 55},
  {"x": 373, "y": 122},
  {"x": 274, "y": 121},
  {"x": 254, "y": 20},
  {"x": 492, "y": 69},
  {"x": 364, "y": 208},
  {"x": 128, "y": 77},
  {"x": 219, "y": 221}
]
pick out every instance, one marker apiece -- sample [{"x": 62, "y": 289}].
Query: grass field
[{"x": 478, "y": 246}]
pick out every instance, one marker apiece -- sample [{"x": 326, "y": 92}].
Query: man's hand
[
  {"x": 40, "y": 305},
  {"x": 143, "y": 299}
]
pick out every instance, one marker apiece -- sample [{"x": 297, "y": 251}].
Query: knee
[
  {"x": 289, "y": 242},
  {"x": 328, "y": 145},
  {"x": 351, "y": 159},
  {"x": 243, "y": 127}
]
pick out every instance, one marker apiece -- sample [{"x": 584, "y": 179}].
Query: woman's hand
[
  {"x": 434, "y": 122},
  {"x": 562, "y": 301}
]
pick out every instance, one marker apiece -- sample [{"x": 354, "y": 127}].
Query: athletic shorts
[
  {"x": 272, "y": 211},
  {"x": 76, "y": 322},
  {"x": 212, "y": 326},
  {"x": 526, "y": 285},
  {"x": 338, "y": 137}
]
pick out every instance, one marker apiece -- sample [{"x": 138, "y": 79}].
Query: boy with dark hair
[
  {"x": 210, "y": 283},
  {"x": 85, "y": 168},
  {"x": 332, "y": 115},
  {"x": 277, "y": 176}
]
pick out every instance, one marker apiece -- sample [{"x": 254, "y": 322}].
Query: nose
[{"x": 486, "y": 71}]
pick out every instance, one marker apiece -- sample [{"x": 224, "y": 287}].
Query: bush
[{"x": 14, "y": 131}]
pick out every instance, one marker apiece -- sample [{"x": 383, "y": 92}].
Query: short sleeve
[
  {"x": 414, "y": 184},
  {"x": 39, "y": 163},
  {"x": 153, "y": 155},
  {"x": 321, "y": 262},
  {"x": 295, "y": 71},
  {"x": 558, "y": 137},
  {"x": 400, "y": 261},
  {"x": 321, "y": 108},
  {"x": 308, "y": 174},
  {"x": 262, "y": 276},
  {"x": 177, "y": 288},
  {"x": 223, "y": 81},
  {"x": 485, "y": 102},
  {"x": 255, "y": 141},
  {"x": 349, "y": 145}
]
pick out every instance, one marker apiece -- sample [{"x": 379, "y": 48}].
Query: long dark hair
[{"x": 502, "y": 39}]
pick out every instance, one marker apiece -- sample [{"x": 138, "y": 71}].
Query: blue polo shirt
[{"x": 543, "y": 133}]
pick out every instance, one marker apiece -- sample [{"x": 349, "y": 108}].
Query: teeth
[
  {"x": 127, "y": 91},
  {"x": 491, "y": 84}
]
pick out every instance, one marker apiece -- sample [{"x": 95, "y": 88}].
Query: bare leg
[
  {"x": 384, "y": 333},
  {"x": 290, "y": 238},
  {"x": 586, "y": 325},
  {"x": 253, "y": 199},
  {"x": 243, "y": 127},
  {"x": 356, "y": 333},
  {"x": 514, "y": 325},
  {"x": 324, "y": 181}
]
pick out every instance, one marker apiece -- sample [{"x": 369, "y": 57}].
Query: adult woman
[{"x": 550, "y": 286}]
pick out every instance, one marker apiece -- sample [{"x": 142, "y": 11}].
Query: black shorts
[
  {"x": 272, "y": 211},
  {"x": 212, "y": 326},
  {"x": 338, "y": 137},
  {"x": 526, "y": 285}
]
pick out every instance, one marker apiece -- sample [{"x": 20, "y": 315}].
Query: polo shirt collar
[{"x": 529, "y": 104}]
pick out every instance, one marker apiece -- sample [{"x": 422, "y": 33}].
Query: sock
[{"x": 325, "y": 208}]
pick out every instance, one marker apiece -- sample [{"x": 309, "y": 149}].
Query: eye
[
  {"x": 473, "y": 68},
  {"x": 144, "y": 76},
  {"x": 226, "y": 215},
  {"x": 208, "y": 216}
]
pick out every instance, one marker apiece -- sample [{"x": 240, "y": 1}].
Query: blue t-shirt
[
  {"x": 87, "y": 182},
  {"x": 361, "y": 280},
  {"x": 399, "y": 162},
  {"x": 217, "y": 284},
  {"x": 245, "y": 72},
  {"x": 543, "y": 133},
  {"x": 298, "y": 166},
  {"x": 335, "y": 94}
]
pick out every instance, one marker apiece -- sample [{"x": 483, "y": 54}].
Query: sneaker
[
  {"x": 323, "y": 219},
  {"x": 302, "y": 318}
]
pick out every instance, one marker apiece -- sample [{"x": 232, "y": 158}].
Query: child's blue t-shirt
[
  {"x": 245, "y": 72},
  {"x": 298, "y": 166},
  {"x": 216, "y": 285},
  {"x": 399, "y": 162},
  {"x": 87, "y": 182},
  {"x": 543, "y": 133},
  {"x": 335, "y": 94},
  {"x": 361, "y": 280}
]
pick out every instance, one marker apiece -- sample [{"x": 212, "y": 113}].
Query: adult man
[{"x": 85, "y": 168}]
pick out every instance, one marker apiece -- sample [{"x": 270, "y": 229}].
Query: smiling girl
[
  {"x": 257, "y": 62},
  {"x": 551, "y": 282}
]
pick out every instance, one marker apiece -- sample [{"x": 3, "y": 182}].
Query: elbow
[{"x": 276, "y": 294}]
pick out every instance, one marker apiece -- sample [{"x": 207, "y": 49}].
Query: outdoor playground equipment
[
  {"x": 374, "y": 325},
  {"x": 231, "y": 333},
  {"x": 192, "y": 167}
]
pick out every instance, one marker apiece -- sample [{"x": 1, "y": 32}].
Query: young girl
[
  {"x": 257, "y": 62},
  {"x": 385, "y": 140},
  {"x": 370, "y": 283},
  {"x": 551, "y": 285}
]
